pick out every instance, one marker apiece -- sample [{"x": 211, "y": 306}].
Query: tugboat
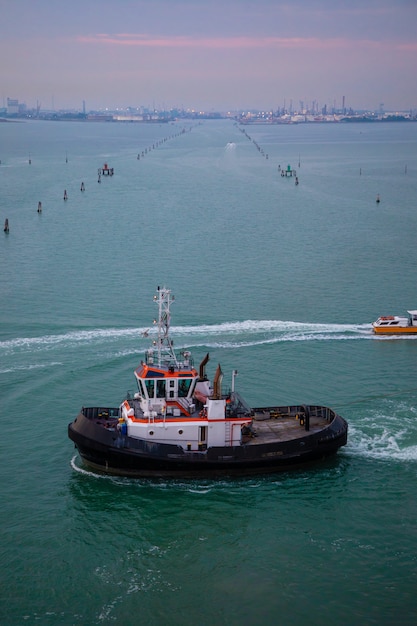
[
  {"x": 396, "y": 325},
  {"x": 179, "y": 424}
]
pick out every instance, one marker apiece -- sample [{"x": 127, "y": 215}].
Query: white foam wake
[
  {"x": 290, "y": 331},
  {"x": 390, "y": 434}
]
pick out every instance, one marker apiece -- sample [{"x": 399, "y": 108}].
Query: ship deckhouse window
[
  {"x": 160, "y": 388},
  {"x": 171, "y": 388},
  {"x": 150, "y": 386},
  {"x": 183, "y": 388}
]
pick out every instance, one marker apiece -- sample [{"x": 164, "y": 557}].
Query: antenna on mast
[{"x": 164, "y": 344}]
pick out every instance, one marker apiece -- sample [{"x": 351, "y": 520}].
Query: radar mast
[{"x": 164, "y": 344}]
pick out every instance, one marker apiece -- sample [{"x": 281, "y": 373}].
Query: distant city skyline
[
  {"x": 213, "y": 56},
  {"x": 13, "y": 106}
]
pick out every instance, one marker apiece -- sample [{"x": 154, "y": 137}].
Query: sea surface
[{"x": 277, "y": 280}]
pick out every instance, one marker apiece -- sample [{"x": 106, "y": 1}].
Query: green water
[{"x": 276, "y": 280}]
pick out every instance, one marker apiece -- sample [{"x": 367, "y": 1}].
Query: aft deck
[
  {"x": 283, "y": 429},
  {"x": 286, "y": 423}
]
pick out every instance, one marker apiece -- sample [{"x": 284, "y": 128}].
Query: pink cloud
[{"x": 311, "y": 43}]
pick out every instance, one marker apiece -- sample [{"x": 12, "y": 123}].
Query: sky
[{"x": 212, "y": 55}]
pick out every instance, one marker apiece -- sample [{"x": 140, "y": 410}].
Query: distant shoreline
[{"x": 244, "y": 122}]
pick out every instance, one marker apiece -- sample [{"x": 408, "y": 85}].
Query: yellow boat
[{"x": 396, "y": 324}]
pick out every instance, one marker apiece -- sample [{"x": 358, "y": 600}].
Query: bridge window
[
  {"x": 142, "y": 388},
  {"x": 183, "y": 388},
  {"x": 150, "y": 387},
  {"x": 160, "y": 388}
]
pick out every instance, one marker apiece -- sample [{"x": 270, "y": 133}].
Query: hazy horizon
[{"x": 217, "y": 55}]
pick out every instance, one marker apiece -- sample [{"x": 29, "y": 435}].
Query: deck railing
[{"x": 95, "y": 412}]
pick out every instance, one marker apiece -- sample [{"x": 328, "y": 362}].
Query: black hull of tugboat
[{"x": 109, "y": 451}]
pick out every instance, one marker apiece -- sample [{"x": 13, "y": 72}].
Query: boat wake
[
  {"x": 268, "y": 330},
  {"x": 28, "y": 367},
  {"x": 46, "y": 342},
  {"x": 75, "y": 464},
  {"x": 24, "y": 353},
  {"x": 199, "y": 486},
  {"x": 387, "y": 434}
]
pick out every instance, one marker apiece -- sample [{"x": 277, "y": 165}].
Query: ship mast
[{"x": 164, "y": 344}]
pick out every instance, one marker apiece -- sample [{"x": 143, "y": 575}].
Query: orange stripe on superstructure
[
  {"x": 178, "y": 405},
  {"x": 144, "y": 369},
  {"x": 173, "y": 420}
]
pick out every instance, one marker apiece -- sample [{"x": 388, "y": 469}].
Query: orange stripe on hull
[{"x": 398, "y": 330}]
